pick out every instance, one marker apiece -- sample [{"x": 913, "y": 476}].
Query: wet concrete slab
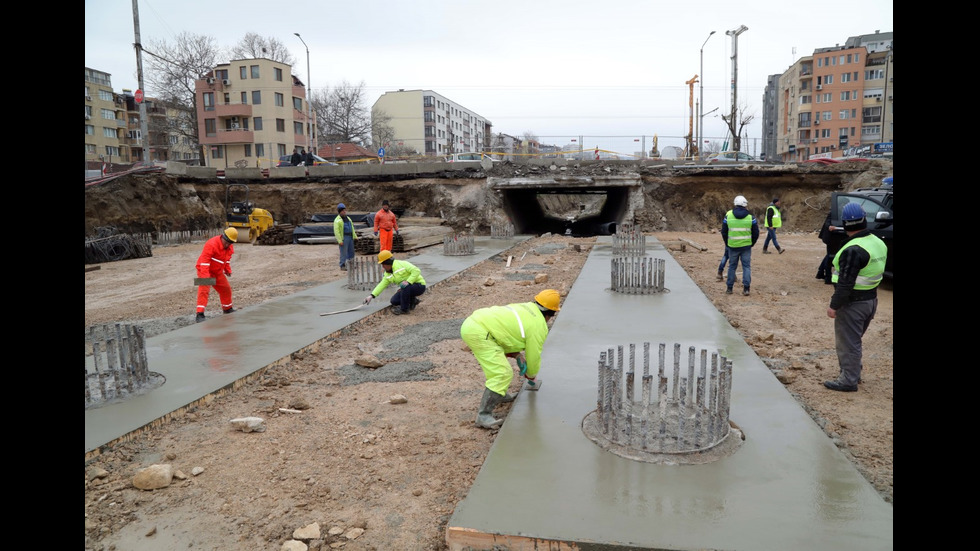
[
  {"x": 206, "y": 357},
  {"x": 545, "y": 485}
]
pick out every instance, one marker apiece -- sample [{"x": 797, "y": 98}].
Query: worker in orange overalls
[
  {"x": 385, "y": 222},
  {"x": 215, "y": 261}
]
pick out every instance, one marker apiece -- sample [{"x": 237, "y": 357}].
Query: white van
[{"x": 465, "y": 158}]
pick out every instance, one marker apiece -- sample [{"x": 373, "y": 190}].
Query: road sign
[
  {"x": 138, "y": 96},
  {"x": 381, "y": 152}
]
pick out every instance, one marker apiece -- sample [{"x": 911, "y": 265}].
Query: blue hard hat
[
  {"x": 341, "y": 207},
  {"x": 852, "y": 211}
]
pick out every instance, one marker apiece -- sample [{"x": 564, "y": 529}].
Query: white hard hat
[{"x": 740, "y": 201}]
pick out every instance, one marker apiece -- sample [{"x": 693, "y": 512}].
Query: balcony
[
  {"x": 228, "y": 137},
  {"x": 233, "y": 110}
]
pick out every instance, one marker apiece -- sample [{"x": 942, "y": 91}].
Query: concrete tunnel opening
[{"x": 579, "y": 212}]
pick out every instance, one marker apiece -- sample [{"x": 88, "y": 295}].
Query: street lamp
[
  {"x": 732, "y": 123},
  {"x": 701, "y": 107},
  {"x": 309, "y": 116}
]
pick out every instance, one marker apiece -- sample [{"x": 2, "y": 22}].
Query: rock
[
  {"x": 368, "y": 360},
  {"x": 299, "y": 403},
  {"x": 196, "y": 471},
  {"x": 154, "y": 477},
  {"x": 489, "y": 282},
  {"x": 309, "y": 532},
  {"x": 179, "y": 475},
  {"x": 785, "y": 378},
  {"x": 249, "y": 424},
  {"x": 354, "y": 533},
  {"x": 397, "y": 399},
  {"x": 97, "y": 472},
  {"x": 335, "y": 531},
  {"x": 540, "y": 278},
  {"x": 293, "y": 545}
]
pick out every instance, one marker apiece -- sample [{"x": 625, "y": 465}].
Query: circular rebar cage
[
  {"x": 683, "y": 420},
  {"x": 115, "y": 365},
  {"x": 458, "y": 245}
]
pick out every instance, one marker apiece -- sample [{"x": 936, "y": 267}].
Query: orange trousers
[
  {"x": 221, "y": 285},
  {"x": 386, "y": 237}
]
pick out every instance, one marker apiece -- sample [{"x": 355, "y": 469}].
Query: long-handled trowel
[{"x": 347, "y": 310}]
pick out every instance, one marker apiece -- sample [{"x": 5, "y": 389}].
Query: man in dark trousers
[
  {"x": 772, "y": 221},
  {"x": 740, "y": 231},
  {"x": 858, "y": 268},
  {"x": 296, "y": 159}
]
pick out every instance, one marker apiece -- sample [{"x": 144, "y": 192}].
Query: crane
[{"x": 691, "y": 148}]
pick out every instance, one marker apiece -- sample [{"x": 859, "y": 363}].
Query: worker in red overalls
[
  {"x": 215, "y": 261},
  {"x": 385, "y": 222}
]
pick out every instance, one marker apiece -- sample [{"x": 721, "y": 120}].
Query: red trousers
[
  {"x": 386, "y": 237},
  {"x": 221, "y": 285}
]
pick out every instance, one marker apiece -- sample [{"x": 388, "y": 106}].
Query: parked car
[
  {"x": 878, "y": 205},
  {"x": 467, "y": 158},
  {"x": 730, "y": 157},
  {"x": 317, "y": 160}
]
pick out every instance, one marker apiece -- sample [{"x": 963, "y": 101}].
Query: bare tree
[
  {"x": 171, "y": 72},
  {"x": 342, "y": 115},
  {"x": 253, "y": 46},
  {"x": 735, "y": 129}
]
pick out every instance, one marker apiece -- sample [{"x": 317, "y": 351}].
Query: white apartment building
[{"x": 431, "y": 124}]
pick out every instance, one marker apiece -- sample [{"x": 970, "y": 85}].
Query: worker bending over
[
  {"x": 513, "y": 331},
  {"x": 215, "y": 261},
  {"x": 409, "y": 279},
  {"x": 385, "y": 222}
]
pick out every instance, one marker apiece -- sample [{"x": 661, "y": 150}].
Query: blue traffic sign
[{"x": 381, "y": 152}]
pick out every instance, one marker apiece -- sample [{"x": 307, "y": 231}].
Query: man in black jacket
[{"x": 296, "y": 159}]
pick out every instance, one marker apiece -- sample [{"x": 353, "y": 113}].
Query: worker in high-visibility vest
[
  {"x": 739, "y": 231},
  {"x": 858, "y": 268},
  {"x": 772, "y": 221}
]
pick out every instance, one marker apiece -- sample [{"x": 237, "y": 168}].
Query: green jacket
[
  {"x": 516, "y": 327},
  {"x": 401, "y": 270},
  {"x": 338, "y": 228},
  {"x": 772, "y": 212}
]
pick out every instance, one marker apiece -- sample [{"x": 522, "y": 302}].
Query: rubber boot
[
  {"x": 509, "y": 397},
  {"x": 485, "y": 418}
]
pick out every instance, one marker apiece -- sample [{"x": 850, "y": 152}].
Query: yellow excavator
[{"x": 242, "y": 215}]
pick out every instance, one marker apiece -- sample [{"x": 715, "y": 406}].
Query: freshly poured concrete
[
  {"x": 205, "y": 357},
  {"x": 545, "y": 485}
]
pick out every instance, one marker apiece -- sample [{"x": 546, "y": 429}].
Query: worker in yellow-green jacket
[
  {"x": 409, "y": 279},
  {"x": 514, "y": 331}
]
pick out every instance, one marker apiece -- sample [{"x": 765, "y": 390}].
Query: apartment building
[
  {"x": 105, "y": 119},
  {"x": 832, "y": 103},
  {"x": 250, "y": 112},
  {"x": 431, "y": 124}
]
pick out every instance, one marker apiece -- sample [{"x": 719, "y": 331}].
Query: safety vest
[
  {"x": 870, "y": 276},
  {"x": 739, "y": 230},
  {"x": 777, "y": 221}
]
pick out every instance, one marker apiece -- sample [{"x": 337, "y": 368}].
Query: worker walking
[
  {"x": 740, "y": 231},
  {"x": 385, "y": 222},
  {"x": 343, "y": 231},
  {"x": 513, "y": 331},
  {"x": 772, "y": 221},
  {"x": 215, "y": 261},
  {"x": 407, "y": 276},
  {"x": 857, "y": 270}
]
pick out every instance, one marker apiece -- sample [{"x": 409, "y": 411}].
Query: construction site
[{"x": 368, "y": 439}]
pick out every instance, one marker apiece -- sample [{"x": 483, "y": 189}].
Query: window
[
  {"x": 242, "y": 72},
  {"x": 873, "y": 74},
  {"x": 111, "y": 151},
  {"x": 217, "y": 151},
  {"x": 257, "y": 97},
  {"x": 429, "y": 116},
  {"x": 258, "y": 123},
  {"x": 280, "y": 99},
  {"x": 871, "y": 114},
  {"x": 870, "y": 131},
  {"x": 427, "y": 101},
  {"x": 89, "y": 130},
  {"x": 826, "y": 115},
  {"x": 260, "y": 150},
  {"x": 857, "y": 57},
  {"x": 298, "y": 104},
  {"x": 255, "y": 71},
  {"x": 210, "y": 128},
  {"x": 845, "y": 77},
  {"x": 842, "y": 133},
  {"x": 221, "y": 74},
  {"x": 281, "y": 148},
  {"x": 227, "y": 98},
  {"x": 248, "y": 150},
  {"x": 88, "y": 110},
  {"x": 873, "y": 93},
  {"x": 208, "y": 98},
  {"x": 278, "y": 76},
  {"x": 845, "y": 96},
  {"x": 841, "y": 59},
  {"x": 829, "y": 79},
  {"x": 849, "y": 58},
  {"x": 297, "y": 127},
  {"x": 109, "y": 114},
  {"x": 105, "y": 95},
  {"x": 827, "y": 98},
  {"x": 843, "y": 114},
  {"x": 90, "y": 149},
  {"x": 280, "y": 125}
]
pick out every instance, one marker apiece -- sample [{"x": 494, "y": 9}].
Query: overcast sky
[{"x": 606, "y": 73}]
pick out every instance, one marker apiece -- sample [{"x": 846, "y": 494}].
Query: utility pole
[
  {"x": 144, "y": 127},
  {"x": 733, "y": 122},
  {"x": 309, "y": 109},
  {"x": 701, "y": 102}
]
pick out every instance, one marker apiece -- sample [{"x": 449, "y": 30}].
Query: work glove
[
  {"x": 368, "y": 299},
  {"x": 396, "y": 232},
  {"x": 375, "y": 234},
  {"x": 403, "y": 284},
  {"x": 522, "y": 363},
  {"x": 532, "y": 383}
]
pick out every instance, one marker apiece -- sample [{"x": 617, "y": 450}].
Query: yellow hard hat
[
  {"x": 549, "y": 298},
  {"x": 383, "y": 255},
  {"x": 231, "y": 234}
]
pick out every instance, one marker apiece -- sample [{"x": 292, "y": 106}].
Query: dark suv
[{"x": 878, "y": 206}]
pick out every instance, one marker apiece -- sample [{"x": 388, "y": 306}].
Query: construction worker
[
  {"x": 385, "y": 222},
  {"x": 857, "y": 270},
  {"x": 739, "y": 231},
  {"x": 514, "y": 331},
  {"x": 215, "y": 261},
  {"x": 409, "y": 279},
  {"x": 772, "y": 221},
  {"x": 343, "y": 231}
]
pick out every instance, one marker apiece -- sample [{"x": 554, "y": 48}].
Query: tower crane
[{"x": 691, "y": 148}]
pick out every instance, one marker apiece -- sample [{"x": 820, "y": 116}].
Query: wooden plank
[{"x": 693, "y": 244}]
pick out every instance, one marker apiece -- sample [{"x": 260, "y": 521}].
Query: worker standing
[
  {"x": 513, "y": 331},
  {"x": 215, "y": 261},
  {"x": 857, "y": 270},
  {"x": 407, "y": 276},
  {"x": 739, "y": 231},
  {"x": 385, "y": 222},
  {"x": 772, "y": 221},
  {"x": 343, "y": 231}
]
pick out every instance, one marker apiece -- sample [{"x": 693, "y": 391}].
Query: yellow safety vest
[
  {"x": 870, "y": 276},
  {"x": 777, "y": 221},
  {"x": 739, "y": 230}
]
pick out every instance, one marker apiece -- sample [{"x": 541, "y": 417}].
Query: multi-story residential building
[
  {"x": 831, "y": 103},
  {"x": 105, "y": 119},
  {"x": 431, "y": 124},
  {"x": 250, "y": 112}
]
